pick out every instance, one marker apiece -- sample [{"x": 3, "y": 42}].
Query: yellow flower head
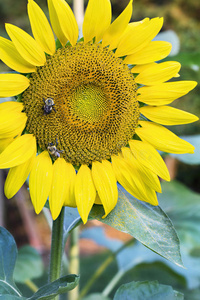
[{"x": 95, "y": 105}]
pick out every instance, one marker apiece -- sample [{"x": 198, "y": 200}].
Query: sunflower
[{"x": 88, "y": 113}]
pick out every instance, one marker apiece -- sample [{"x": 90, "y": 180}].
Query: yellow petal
[
  {"x": 10, "y": 56},
  {"x": 17, "y": 176},
  {"x": 55, "y": 23},
  {"x": 97, "y": 19},
  {"x": 147, "y": 155},
  {"x": 19, "y": 151},
  {"x": 59, "y": 188},
  {"x": 12, "y": 84},
  {"x": 149, "y": 177},
  {"x": 41, "y": 29},
  {"x": 129, "y": 177},
  {"x": 164, "y": 93},
  {"x": 158, "y": 73},
  {"x": 11, "y": 106},
  {"x": 166, "y": 115},
  {"x": 137, "y": 37},
  {"x": 28, "y": 48},
  {"x": 162, "y": 138},
  {"x": 106, "y": 186},
  {"x": 70, "y": 183},
  {"x": 85, "y": 192},
  {"x": 12, "y": 124},
  {"x": 114, "y": 32},
  {"x": 12, "y": 120},
  {"x": 4, "y": 143},
  {"x": 63, "y": 21},
  {"x": 141, "y": 68},
  {"x": 40, "y": 180},
  {"x": 154, "y": 51}
]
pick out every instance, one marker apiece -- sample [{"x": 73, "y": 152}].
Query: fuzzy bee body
[
  {"x": 52, "y": 149},
  {"x": 48, "y": 106}
]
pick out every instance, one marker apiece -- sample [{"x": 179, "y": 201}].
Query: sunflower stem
[
  {"x": 57, "y": 247},
  {"x": 74, "y": 260}
]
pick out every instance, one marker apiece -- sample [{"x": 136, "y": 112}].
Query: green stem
[
  {"x": 102, "y": 268},
  {"x": 108, "y": 289},
  {"x": 57, "y": 247},
  {"x": 74, "y": 260},
  {"x": 32, "y": 286}
]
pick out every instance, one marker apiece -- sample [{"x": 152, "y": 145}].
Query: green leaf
[
  {"x": 57, "y": 287},
  {"x": 8, "y": 254},
  {"x": 29, "y": 264},
  {"x": 72, "y": 219},
  {"x": 147, "y": 223},
  {"x": 96, "y": 297},
  {"x": 147, "y": 290},
  {"x": 191, "y": 159}
]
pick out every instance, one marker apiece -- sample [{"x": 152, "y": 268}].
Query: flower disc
[{"x": 95, "y": 112}]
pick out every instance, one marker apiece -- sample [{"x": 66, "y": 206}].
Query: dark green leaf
[
  {"x": 29, "y": 265},
  {"x": 147, "y": 223},
  {"x": 8, "y": 254},
  {"x": 146, "y": 290},
  {"x": 57, "y": 287},
  {"x": 96, "y": 297}
]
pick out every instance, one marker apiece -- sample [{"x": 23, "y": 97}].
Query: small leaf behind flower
[
  {"x": 57, "y": 287},
  {"x": 148, "y": 224}
]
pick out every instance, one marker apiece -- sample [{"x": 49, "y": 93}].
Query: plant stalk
[
  {"x": 74, "y": 260},
  {"x": 57, "y": 247}
]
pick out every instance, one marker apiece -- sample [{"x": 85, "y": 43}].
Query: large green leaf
[
  {"x": 147, "y": 223},
  {"x": 147, "y": 290},
  {"x": 136, "y": 254},
  {"x": 8, "y": 254},
  {"x": 29, "y": 264},
  {"x": 57, "y": 287}
]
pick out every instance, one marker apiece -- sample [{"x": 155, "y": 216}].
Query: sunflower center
[
  {"x": 89, "y": 103},
  {"x": 83, "y": 100}
]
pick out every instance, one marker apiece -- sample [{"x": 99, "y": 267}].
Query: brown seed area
[{"x": 96, "y": 111}]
